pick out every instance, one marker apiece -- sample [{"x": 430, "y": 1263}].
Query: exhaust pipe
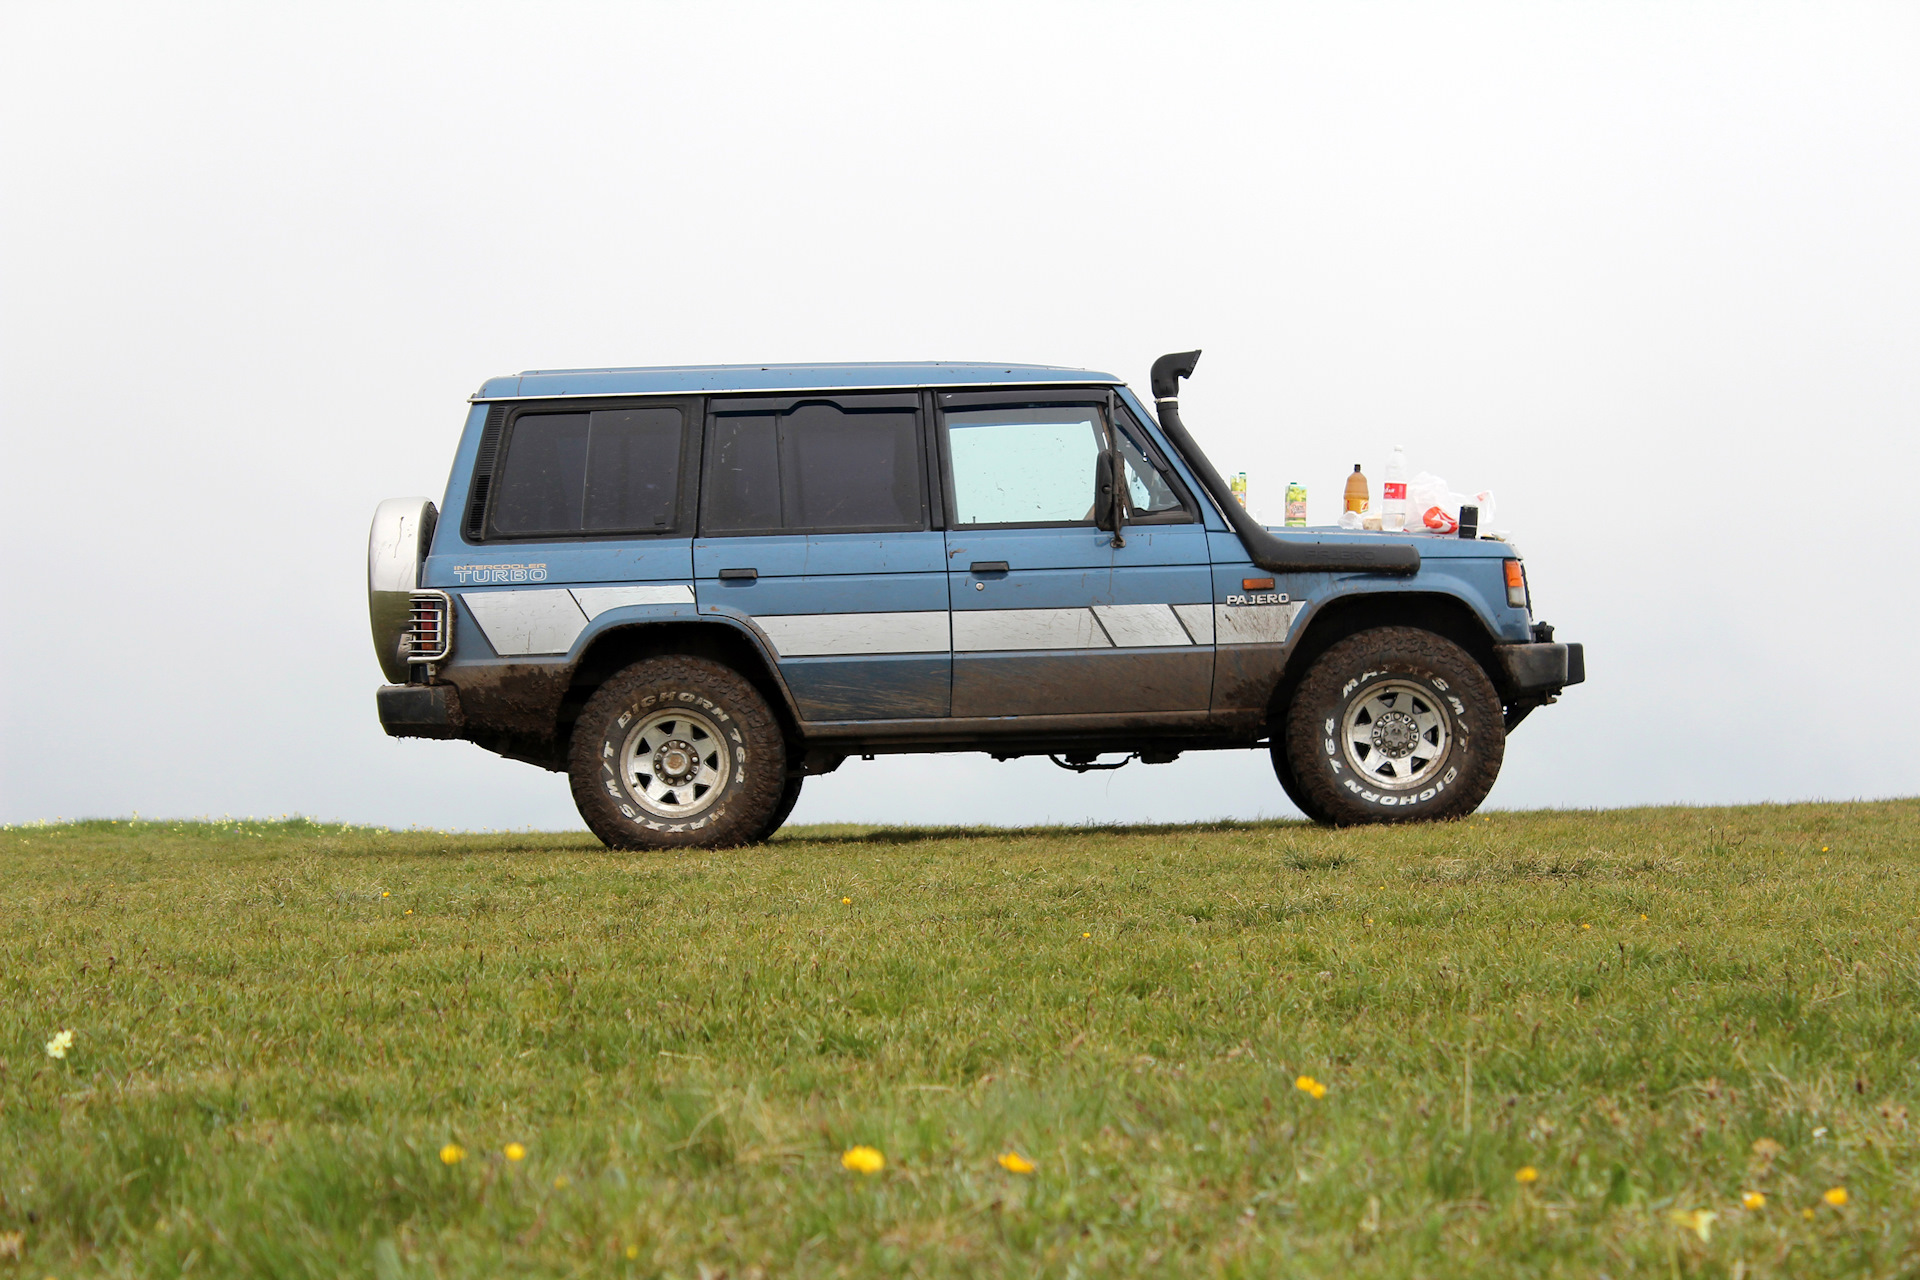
[{"x": 1282, "y": 555}]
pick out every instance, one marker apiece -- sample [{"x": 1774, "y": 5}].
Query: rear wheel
[
  {"x": 788, "y": 798},
  {"x": 677, "y": 752},
  {"x": 1392, "y": 725}
]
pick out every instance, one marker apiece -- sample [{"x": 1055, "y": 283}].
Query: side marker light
[{"x": 1516, "y": 585}]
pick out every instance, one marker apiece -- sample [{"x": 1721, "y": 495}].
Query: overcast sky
[{"x": 1650, "y": 273}]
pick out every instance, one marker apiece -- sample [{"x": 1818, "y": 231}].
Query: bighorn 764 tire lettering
[{"x": 692, "y": 588}]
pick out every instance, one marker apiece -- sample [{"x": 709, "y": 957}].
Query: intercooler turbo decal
[{"x": 482, "y": 574}]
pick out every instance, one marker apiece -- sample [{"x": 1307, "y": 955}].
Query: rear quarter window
[{"x": 601, "y": 471}]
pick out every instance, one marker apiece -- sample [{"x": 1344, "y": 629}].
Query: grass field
[{"x": 281, "y": 1033}]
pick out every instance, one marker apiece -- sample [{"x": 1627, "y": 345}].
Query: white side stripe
[
  {"x": 802, "y": 635},
  {"x": 595, "y": 601},
  {"x": 1198, "y": 620},
  {"x": 519, "y": 623},
  {"x": 1255, "y": 623},
  {"x": 1141, "y": 626},
  {"x": 991, "y": 630},
  {"x": 523, "y": 622}
]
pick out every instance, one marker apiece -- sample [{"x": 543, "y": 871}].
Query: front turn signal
[{"x": 1516, "y": 585}]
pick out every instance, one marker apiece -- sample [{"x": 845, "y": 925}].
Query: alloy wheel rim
[
  {"x": 676, "y": 763},
  {"x": 1396, "y": 735}
]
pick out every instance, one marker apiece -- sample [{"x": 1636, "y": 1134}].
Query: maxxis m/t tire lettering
[
  {"x": 677, "y": 753},
  {"x": 1395, "y": 724}
]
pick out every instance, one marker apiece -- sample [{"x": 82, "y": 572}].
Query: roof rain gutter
[{"x": 1282, "y": 555}]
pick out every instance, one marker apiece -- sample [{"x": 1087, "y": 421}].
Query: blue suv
[{"x": 689, "y": 589}]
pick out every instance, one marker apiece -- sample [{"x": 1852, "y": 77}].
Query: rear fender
[{"x": 620, "y": 644}]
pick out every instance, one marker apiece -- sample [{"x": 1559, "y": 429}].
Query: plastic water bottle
[{"x": 1393, "y": 492}]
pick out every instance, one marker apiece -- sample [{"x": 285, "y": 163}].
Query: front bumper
[
  {"x": 420, "y": 710},
  {"x": 1536, "y": 670}
]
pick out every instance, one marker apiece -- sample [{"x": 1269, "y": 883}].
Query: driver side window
[
  {"x": 1036, "y": 464},
  {"x": 1024, "y": 466}
]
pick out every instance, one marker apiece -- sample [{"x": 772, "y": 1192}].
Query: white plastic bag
[{"x": 1435, "y": 508}]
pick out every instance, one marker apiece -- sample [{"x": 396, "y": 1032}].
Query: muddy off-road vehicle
[{"x": 691, "y": 588}]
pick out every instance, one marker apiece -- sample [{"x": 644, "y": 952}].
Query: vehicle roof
[{"x": 688, "y": 379}]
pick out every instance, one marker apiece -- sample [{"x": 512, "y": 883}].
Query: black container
[{"x": 1469, "y": 522}]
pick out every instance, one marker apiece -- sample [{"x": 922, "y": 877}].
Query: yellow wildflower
[
  {"x": 1526, "y": 1175},
  {"x": 515, "y": 1152},
  {"x": 1807, "y": 1214},
  {"x": 1699, "y": 1221},
  {"x": 452, "y": 1153},
  {"x": 61, "y": 1042},
  {"x": 559, "y": 1183},
  {"x": 1753, "y": 1200},
  {"x": 1586, "y": 926},
  {"x": 385, "y": 894},
  {"x": 1835, "y": 1196},
  {"x": 633, "y": 1251},
  {"x": 407, "y": 912},
  {"x": 863, "y": 1160},
  {"x": 1311, "y": 1087},
  {"x": 1014, "y": 1162},
  {"x": 846, "y": 902},
  {"x": 1086, "y": 935}
]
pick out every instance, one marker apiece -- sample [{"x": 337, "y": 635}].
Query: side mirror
[{"x": 1104, "y": 494}]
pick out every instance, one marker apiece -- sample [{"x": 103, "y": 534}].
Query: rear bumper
[
  {"x": 420, "y": 710},
  {"x": 1536, "y": 669}
]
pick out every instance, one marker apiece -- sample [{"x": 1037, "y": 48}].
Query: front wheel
[
  {"x": 677, "y": 752},
  {"x": 1393, "y": 725}
]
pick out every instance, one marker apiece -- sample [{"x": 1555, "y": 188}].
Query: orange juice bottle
[{"x": 1356, "y": 490}]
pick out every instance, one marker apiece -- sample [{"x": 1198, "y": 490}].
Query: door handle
[
  {"x": 739, "y": 575},
  {"x": 988, "y": 566}
]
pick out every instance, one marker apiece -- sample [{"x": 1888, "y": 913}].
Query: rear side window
[
  {"x": 599, "y": 472},
  {"x": 819, "y": 466}
]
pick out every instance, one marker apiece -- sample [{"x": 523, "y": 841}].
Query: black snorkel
[{"x": 1282, "y": 555}]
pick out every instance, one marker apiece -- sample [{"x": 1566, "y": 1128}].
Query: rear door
[
  {"x": 1050, "y": 617},
  {"x": 817, "y": 529},
  {"x": 576, "y": 510}
]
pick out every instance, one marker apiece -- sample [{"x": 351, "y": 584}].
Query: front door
[{"x": 1050, "y": 617}]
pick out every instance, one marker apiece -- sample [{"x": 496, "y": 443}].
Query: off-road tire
[
  {"x": 789, "y": 797},
  {"x": 728, "y": 713},
  {"x": 1442, "y": 687},
  {"x": 1290, "y": 784}
]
